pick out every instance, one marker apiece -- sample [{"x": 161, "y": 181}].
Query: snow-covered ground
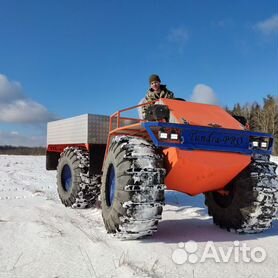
[{"x": 39, "y": 237}]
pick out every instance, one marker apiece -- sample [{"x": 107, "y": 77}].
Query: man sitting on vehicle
[{"x": 156, "y": 91}]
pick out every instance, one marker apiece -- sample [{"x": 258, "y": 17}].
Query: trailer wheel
[
  {"x": 132, "y": 191},
  {"x": 76, "y": 188},
  {"x": 251, "y": 203}
]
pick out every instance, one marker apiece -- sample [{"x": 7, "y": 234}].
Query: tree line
[
  {"x": 261, "y": 117},
  {"x": 21, "y": 150}
]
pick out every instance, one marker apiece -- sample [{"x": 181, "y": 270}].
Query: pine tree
[{"x": 260, "y": 118}]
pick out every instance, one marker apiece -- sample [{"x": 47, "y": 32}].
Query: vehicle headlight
[
  {"x": 174, "y": 136},
  {"x": 163, "y": 135},
  {"x": 260, "y": 142},
  {"x": 264, "y": 145},
  {"x": 255, "y": 144}
]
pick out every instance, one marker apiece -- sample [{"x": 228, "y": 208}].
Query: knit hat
[{"x": 154, "y": 77}]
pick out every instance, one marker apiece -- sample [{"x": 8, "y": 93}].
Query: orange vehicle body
[
  {"x": 195, "y": 172},
  {"x": 198, "y": 171}
]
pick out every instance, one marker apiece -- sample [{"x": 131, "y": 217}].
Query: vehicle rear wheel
[{"x": 75, "y": 187}]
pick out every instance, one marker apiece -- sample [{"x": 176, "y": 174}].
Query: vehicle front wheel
[
  {"x": 132, "y": 192},
  {"x": 250, "y": 203}
]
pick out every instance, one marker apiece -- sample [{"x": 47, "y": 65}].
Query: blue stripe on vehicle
[{"x": 209, "y": 138}]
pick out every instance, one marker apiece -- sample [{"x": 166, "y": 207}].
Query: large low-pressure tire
[
  {"x": 132, "y": 192},
  {"x": 76, "y": 188},
  {"x": 251, "y": 203}
]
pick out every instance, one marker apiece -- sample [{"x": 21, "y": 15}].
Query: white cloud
[
  {"x": 15, "y": 107},
  {"x": 179, "y": 37},
  {"x": 9, "y": 90},
  {"x": 16, "y": 139},
  {"x": 268, "y": 26},
  {"x": 204, "y": 94}
]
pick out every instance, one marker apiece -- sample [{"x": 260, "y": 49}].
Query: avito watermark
[{"x": 238, "y": 252}]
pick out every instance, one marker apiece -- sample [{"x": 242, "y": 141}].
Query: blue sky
[{"x": 64, "y": 58}]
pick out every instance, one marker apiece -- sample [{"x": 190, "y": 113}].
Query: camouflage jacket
[
  {"x": 153, "y": 95},
  {"x": 163, "y": 93}
]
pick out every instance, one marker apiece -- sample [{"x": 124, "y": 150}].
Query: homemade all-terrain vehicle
[{"x": 188, "y": 147}]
